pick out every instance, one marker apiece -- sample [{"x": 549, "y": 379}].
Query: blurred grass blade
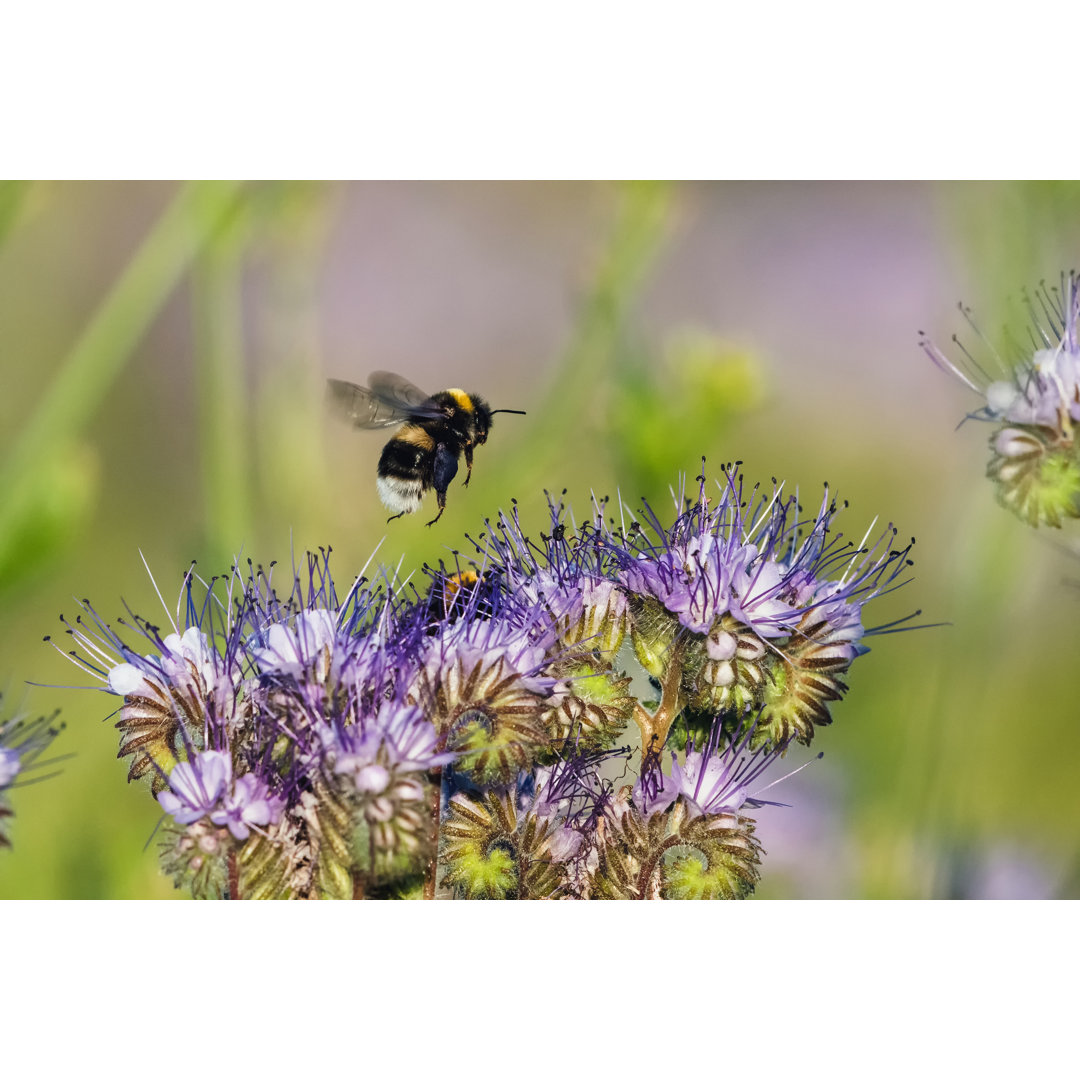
[
  {"x": 579, "y": 395},
  {"x": 217, "y": 302},
  {"x": 100, "y": 354}
]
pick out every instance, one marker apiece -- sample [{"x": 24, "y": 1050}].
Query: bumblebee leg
[
  {"x": 395, "y": 517},
  {"x": 468, "y": 462},
  {"x": 441, "y": 496},
  {"x": 444, "y": 469}
]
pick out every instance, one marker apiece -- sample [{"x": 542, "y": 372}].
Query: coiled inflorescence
[
  {"x": 1031, "y": 393},
  {"x": 469, "y": 738}
]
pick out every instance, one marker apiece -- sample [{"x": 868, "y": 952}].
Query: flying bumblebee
[{"x": 424, "y": 453}]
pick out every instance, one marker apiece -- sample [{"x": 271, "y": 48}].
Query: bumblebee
[
  {"x": 452, "y": 595},
  {"x": 435, "y": 430}
]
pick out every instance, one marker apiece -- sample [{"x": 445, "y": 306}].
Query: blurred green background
[{"x": 164, "y": 350}]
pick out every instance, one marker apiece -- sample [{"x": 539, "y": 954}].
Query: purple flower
[
  {"x": 1035, "y": 397},
  {"x": 9, "y": 765},
  {"x": 655, "y": 791},
  {"x": 22, "y": 742},
  {"x": 410, "y": 740},
  {"x": 572, "y": 576},
  {"x": 712, "y": 780},
  {"x": 397, "y": 739},
  {"x": 1039, "y": 387},
  {"x": 754, "y": 558},
  {"x": 248, "y": 803},
  {"x": 292, "y": 650},
  {"x": 718, "y": 782},
  {"x": 21, "y": 745},
  {"x": 204, "y": 787},
  {"x": 513, "y": 644},
  {"x": 197, "y": 786}
]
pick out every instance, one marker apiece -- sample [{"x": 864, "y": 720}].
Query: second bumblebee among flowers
[{"x": 435, "y": 429}]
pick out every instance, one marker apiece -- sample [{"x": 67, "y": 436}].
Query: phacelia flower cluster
[
  {"x": 480, "y": 736},
  {"x": 22, "y": 742},
  {"x": 1032, "y": 396}
]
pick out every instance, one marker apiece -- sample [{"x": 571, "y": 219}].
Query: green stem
[
  {"x": 432, "y": 878},
  {"x": 655, "y": 726}
]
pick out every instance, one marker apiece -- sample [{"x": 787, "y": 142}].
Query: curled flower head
[
  {"x": 398, "y": 742},
  {"x": 482, "y": 683},
  {"x": 755, "y": 558},
  {"x": 1032, "y": 393},
  {"x": 744, "y": 602}
]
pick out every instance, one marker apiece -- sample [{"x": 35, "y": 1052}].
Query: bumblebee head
[
  {"x": 482, "y": 414},
  {"x": 481, "y": 419}
]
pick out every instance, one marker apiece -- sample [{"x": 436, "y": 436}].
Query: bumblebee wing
[
  {"x": 362, "y": 407},
  {"x": 400, "y": 394}
]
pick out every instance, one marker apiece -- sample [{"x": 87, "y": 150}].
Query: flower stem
[
  {"x": 655, "y": 726},
  {"x": 432, "y": 878},
  {"x": 234, "y": 877}
]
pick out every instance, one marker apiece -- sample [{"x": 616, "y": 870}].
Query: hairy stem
[
  {"x": 431, "y": 880},
  {"x": 234, "y": 876},
  {"x": 655, "y": 726}
]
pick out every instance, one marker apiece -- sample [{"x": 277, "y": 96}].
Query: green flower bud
[
  {"x": 196, "y": 857},
  {"x": 725, "y": 671},
  {"x": 653, "y": 630}
]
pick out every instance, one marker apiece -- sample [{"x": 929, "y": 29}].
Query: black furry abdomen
[{"x": 406, "y": 460}]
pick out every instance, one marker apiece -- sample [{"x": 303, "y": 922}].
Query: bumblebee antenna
[{"x": 519, "y": 412}]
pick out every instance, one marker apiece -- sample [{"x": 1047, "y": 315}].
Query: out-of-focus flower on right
[{"x": 1033, "y": 397}]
